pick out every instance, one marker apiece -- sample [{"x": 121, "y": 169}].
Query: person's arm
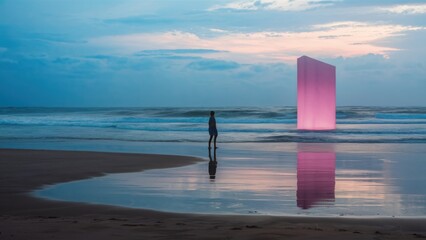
[{"x": 211, "y": 122}]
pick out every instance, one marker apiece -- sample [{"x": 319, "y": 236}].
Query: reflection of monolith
[
  {"x": 316, "y": 95},
  {"x": 315, "y": 175}
]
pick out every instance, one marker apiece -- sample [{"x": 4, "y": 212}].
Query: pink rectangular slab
[{"x": 316, "y": 95}]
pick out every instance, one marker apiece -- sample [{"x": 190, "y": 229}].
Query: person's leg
[
  {"x": 215, "y": 136},
  {"x": 210, "y": 141}
]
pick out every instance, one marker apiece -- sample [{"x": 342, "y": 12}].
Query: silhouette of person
[
  {"x": 212, "y": 165},
  {"x": 212, "y": 129}
]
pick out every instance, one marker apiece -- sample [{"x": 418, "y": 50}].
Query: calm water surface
[{"x": 310, "y": 179}]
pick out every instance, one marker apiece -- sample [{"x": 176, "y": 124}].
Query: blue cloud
[
  {"x": 142, "y": 20},
  {"x": 214, "y": 65},
  {"x": 176, "y": 51}
]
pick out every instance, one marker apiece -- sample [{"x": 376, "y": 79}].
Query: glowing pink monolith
[{"x": 316, "y": 95}]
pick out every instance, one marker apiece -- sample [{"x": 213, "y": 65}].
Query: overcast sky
[{"x": 208, "y": 53}]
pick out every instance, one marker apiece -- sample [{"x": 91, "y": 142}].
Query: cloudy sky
[{"x": 208, "y": 53}]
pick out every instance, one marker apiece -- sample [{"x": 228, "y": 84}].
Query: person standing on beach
[{"x": 212, "y": 129}]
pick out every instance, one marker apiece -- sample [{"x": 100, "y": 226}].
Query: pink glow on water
[
  {"x": 315, "y": 178},
  {"x": 316, "y": 95}
]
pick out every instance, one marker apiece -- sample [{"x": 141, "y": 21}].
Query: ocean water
[
  {"x": 235, "y": 125},
  {"x": 371, "y": 165}
]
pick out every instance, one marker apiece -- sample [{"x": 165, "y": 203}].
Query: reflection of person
[
  {"x": 212, "y": 129},
  {"x": 212, "y": 165}
]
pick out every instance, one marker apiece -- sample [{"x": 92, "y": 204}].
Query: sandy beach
[
  {"x": 230, "y": 119},
  {"x": 26, "y": 217}
]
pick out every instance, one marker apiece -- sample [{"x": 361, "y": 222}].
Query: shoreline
[{"x": 25, "y": 216}]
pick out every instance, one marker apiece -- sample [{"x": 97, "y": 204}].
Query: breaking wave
[{"x": 242, "y": 124}]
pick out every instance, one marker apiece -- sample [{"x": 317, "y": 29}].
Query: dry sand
[{"x": 25, "y": 217}]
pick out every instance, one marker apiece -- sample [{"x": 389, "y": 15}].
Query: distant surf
[{"x": 236, "y": 124}]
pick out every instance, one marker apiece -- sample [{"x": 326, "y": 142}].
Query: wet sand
[{"x": 25, "y": 217}]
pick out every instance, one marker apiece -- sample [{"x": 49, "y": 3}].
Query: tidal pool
[{"x": 359, "y": 180}]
